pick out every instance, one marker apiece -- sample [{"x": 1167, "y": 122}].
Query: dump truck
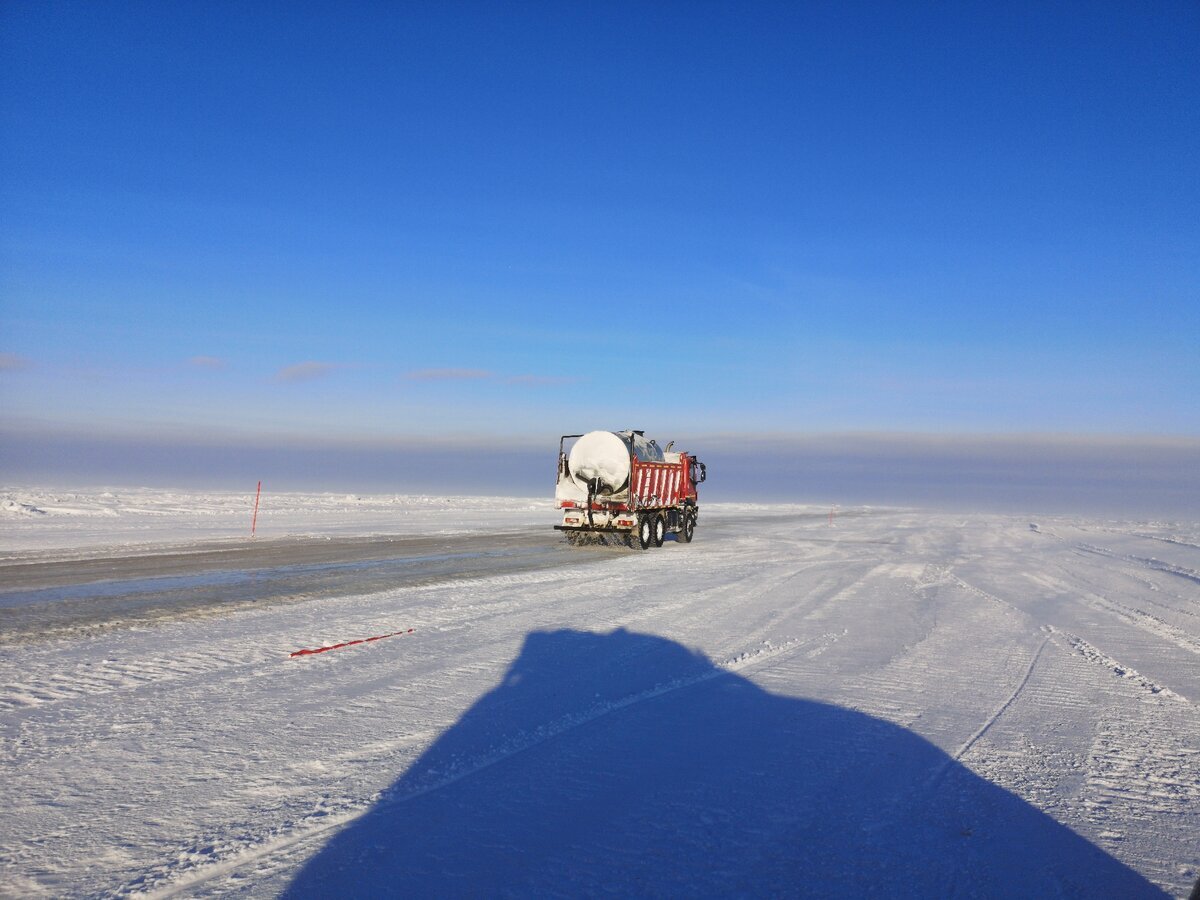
[{"x": 620, "y": 487}]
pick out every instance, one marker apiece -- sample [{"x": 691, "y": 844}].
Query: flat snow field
[{"x": 895, "y": 703}]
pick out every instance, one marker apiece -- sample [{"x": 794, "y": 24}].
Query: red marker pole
[{"x": 254, "y": 521}]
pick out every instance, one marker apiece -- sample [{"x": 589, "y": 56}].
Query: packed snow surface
[
  {"x": 883, "y": 701},
  {"x": 37, "y": 520}
]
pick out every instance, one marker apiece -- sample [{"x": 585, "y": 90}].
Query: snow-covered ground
[
  {"x": 36, "y": 520},
  {"x": 895, "y": 702}
]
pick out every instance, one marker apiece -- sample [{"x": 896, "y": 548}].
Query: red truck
[{"x": 619, "y": 485}]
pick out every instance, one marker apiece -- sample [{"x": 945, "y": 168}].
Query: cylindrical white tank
[{"x": 600, "y": 459}]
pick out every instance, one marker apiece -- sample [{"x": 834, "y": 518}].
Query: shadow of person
[{"x": 624, "y": 763}]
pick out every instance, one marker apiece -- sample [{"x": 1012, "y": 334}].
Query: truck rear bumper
[
  {"x": 598, "y": 520},
  {"x": 591, "y": 528}
]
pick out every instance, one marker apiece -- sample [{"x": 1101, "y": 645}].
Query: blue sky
[{"x": 396, "y": 220}]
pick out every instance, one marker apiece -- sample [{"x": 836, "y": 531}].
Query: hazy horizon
[{"x": 1108, "y": 475}]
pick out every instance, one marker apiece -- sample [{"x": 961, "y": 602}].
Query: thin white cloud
[
  {"x": 542, "y": 380},
  {"x": 207, "y": 362},
  {"x": 13, "y": 362},
  {"x": 305, "y": 371},
  {"x": 449, "y": 375}
]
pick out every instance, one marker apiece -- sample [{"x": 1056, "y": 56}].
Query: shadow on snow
[{"x": 625, "y": 763}]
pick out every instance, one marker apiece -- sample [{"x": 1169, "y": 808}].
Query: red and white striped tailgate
[{"x": 657, "y": 484}]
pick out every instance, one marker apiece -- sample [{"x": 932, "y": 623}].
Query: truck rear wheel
[
  {"x": 645, "y": 532},
  {"x": 660, "y": 530}
]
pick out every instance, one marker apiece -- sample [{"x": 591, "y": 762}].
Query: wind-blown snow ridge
[
  {"x": 1089, "y": 652},
  {"x": 1149, "y": 562},
  {"x": 1160, "y": 566},
  {"x": 15, "y": 508}
]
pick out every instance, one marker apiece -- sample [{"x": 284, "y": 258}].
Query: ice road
[{"x": 900, "y": 702}]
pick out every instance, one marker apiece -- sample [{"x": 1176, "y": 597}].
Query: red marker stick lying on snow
[{"x": 378, "y": 637}]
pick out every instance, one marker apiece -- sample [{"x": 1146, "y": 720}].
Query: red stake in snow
[
  {"x": 254, "y": 521},
  {"x": 378, "y": 637}
]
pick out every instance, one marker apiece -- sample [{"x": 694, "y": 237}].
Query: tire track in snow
[
  {"x": 1147, "y": 562},
  {"x": 920, "y": 675},
  {"x": 1003, "y": 707},
  {"x": 1142, "y": 562},
  {"x": 1115, "y": 755},
  {"x": 1087, "y": 650},
  {"x": 1140, "y": 619},
  {"x": 1074, "y": 644}
]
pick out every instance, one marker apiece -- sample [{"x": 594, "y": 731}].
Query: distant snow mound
[{"x": 16, "y": 508}]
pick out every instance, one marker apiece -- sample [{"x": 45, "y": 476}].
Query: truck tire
[
  {"x": 660, "y": 530},
  {"x": 689, "y": 528},
  {"x": 645, "y": 532}
]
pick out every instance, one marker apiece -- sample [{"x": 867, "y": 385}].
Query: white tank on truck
[{"x": 623, "y": 487}]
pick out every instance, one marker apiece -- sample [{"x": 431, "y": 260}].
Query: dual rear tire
[
  {"x": 652, "y": 530},
  {"x": 646, "y": 531}
]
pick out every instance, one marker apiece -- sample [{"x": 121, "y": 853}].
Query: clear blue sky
[{"x": 397, "y": 219}]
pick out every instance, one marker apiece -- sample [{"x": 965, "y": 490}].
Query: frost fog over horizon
[{"x": 1118, "y": 476}]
